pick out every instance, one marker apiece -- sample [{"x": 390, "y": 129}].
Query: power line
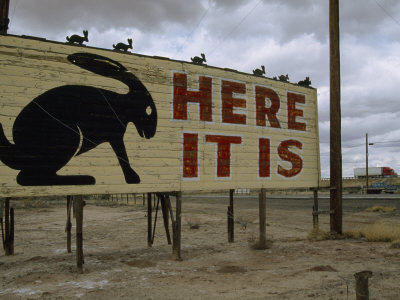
[
  {"x": 193, "y": 30},
  {"x": 234, "y": 28},
  {"x": 383, "y": 142},
  {"x": 386, "y": 12}
]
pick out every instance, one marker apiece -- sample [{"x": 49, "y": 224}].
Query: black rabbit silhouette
[
  {"x": 70, "y": 120},
  {"x": 77, "y": 39},
  {"x": 122, "y": 46},
  {"x": 199, "y": 60},
  {"x": 259, "y": 72},
  {"x": 306, "y": 82}
]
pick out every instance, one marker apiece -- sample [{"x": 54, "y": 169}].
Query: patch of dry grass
[
  {"x": 377, "y": 208},
  {"x": 377, "y": 232},
  {"x": 382, "y": 232}
]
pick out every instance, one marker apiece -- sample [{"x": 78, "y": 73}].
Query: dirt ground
[{"x": 119, "y": 265}]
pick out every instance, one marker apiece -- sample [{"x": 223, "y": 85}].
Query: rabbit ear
[{"x": 96, "y": 63}]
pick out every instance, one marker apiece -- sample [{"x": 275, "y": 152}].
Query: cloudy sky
[{"x": 287, "y": 36}]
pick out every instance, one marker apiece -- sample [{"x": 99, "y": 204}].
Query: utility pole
[
  {"x": 335, "y": 121},
  {"x": 4, "y": 20}
]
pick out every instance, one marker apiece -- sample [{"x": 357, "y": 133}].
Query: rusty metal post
[
  {"x": 79, "y": 232},
  {"x": 176, "y": 240},
  {"x": 335, "y": 120},
  {"x": 362, "y": 291},
  {"x": 4, "y": 20},
  {"x": 149, "y": 221},
  {"x": 262, "y": 214}
]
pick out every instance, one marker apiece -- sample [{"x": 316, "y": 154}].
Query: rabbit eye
[{"x": 148, "y": 110}]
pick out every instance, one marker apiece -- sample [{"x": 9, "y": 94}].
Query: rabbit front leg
[{"x": 119, "y": 148}]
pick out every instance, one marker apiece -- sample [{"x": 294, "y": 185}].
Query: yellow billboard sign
[{"x": 80, "y": 120}]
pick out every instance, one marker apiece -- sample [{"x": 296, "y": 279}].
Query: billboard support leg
[
  {"x": 68, "y": 225},
  {"x": 176, "y": 229},
  {"x": 315, "y": 210},
  {"x": 165, "y": 213},
  {"x": 149, "y": 222},
  {"x": 262, "y": 215},
  {"x": 155, "y": 220},
  {"x": 8, "y": 240},
  {"x": 231, "y": 228},
  {"x": 79, "y": 232}
]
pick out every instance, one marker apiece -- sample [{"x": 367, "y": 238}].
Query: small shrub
[{"x": 194, "y": 223}]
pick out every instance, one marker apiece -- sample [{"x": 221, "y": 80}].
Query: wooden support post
[
  {"x": 335, "y": 120},
  {"x": 9, "y": 228},
  {"x": 231, "y": 219},
  {"x": 262, "y": 212},
  {"x": 4, "y": 20},
  {"x": 315, "y": 210},
  {"x": 149, "y": 221},
  {"x": 11, "y": 244},
  {"x": 176, "y": 244},
  {"x": 165, "y": 212},
  {"x": 1, "y": 221},
  {"x": 7, "y": 225},
  {"x": 155, "y": 221},
  {"x": 68, "y": 225},
  {"x": 362, "y": 291},
  {"x": 79, "y": 233}
]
